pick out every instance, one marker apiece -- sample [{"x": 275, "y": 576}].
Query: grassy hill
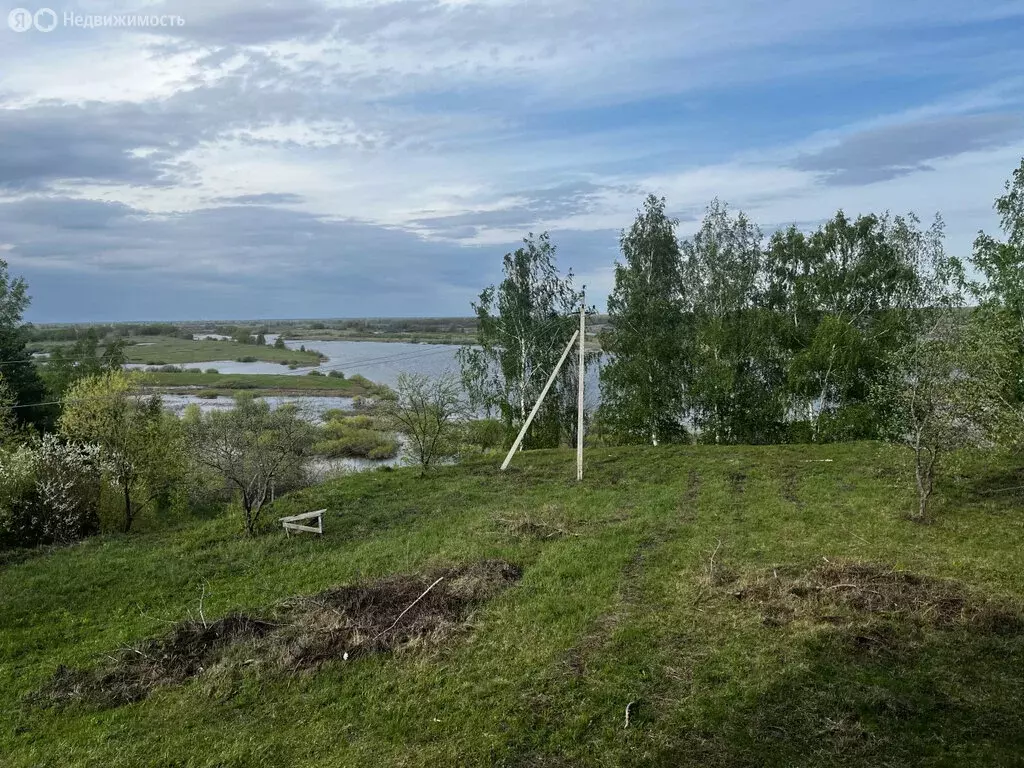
[{"x": 750, "y": 606}]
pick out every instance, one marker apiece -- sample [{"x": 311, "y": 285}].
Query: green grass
[
  {"x": 226, "y": 383},
  {"x": 630, "y": 599},
  {"x": 161, "y": 350}
]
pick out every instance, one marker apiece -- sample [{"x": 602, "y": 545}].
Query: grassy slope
[
  {"x": 611, "y": 615},
  {"x": 170, "y": 351}
]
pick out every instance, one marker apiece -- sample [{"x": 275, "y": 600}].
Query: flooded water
[
  {"x": 311, "y": 409},
  {"x": 380, "y": 362}
]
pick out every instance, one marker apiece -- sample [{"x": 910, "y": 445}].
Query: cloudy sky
[{"x": 331, "y": 158}]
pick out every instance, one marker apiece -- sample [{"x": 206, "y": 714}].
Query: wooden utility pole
[
  {"x": 536, "y": 407},
  {"x": 579, "y": 405}
]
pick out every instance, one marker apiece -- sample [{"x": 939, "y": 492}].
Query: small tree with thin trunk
[
  {"x": 139, "y": 443},
  {"x": 251, "y": 446},
  {"x": 429, "y": 411},
  {"x": 943, "y": 393}
]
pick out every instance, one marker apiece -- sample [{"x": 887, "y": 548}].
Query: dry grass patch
[
  {"x": 840, "y": 592},
  {"x": 392, "y": 614}
]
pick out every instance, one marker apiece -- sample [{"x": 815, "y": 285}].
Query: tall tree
[
  {"x": 642, "y": 383},
  {"x": 81, "y": 360},
  {"x": 523, "y": 325},
  {"x": 1001, "y": 263},
  {"x": 19, "y": 371},
  {"x": 857, "y": 295},
  {"x": 733, "y": 388}
]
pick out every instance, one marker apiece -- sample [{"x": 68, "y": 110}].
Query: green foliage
[
  {"x": 252, "y": 448},
  {"x": 140, "y": 444},
  {"x": 355, "y": 437},
  {"x": 943, "y": 393},
  {"x": 642, "y": 383},
  {"x": 524, "y": 325},
  {"x": 1001, "y": 264},
  {"x": 484, "y": 434},
  {"x": 751, "y": 342},
  {"x": 81, "y": 360},
  {"x": 428, "y": 411},
  {"x": 732, "y": 385},
  {"x": 20, "y": 374}
]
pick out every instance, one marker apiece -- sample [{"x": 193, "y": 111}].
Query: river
[{"x": 380, "y": 362}]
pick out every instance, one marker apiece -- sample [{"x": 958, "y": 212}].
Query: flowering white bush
[
  {"x": 49, "y": 492},
  {"x": 17, "y": 485}
]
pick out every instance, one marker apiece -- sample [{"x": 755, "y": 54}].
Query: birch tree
[
  {"x": 734, "y": 391},
  {"x": 642, "y": 384},
  {"x": 1001, "y": 263},
  {"x": 524, "y": 323}
]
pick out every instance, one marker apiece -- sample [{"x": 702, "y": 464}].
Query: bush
[
  {"x": 238, "y": 384},
  {"x": 212, "y": 371},
  {"x": 314, "y": 372},
  {"x": 336, "y": 375},
  {"x": 246, "y": 359},
  {"x": 358, "y": 444},
  {"x": 485, "y": 434},
  {"x": 355, "y": 437},
  {"x": 49, "y": 493}
]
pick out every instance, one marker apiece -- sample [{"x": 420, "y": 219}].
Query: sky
[{"x": 369, "y": 158}]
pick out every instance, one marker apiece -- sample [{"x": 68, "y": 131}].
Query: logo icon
[
  {"x": 20, "y": 20},
  {"x": 45, "y": 20}
]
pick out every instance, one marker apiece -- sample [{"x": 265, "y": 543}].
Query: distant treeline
[
  {"x": 103, "y": 332},
  {"x": 386, "y": 325}
]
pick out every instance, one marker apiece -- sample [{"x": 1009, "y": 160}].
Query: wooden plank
[
  {"x": 304, "y": 516},
  {"x": 297, "y": 527}
]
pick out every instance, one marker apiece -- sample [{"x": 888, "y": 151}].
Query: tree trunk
[
  {"x": 129, "y": 513},
  {"x": 250, "y": 523},
  {"x": 924, "y": 470}
]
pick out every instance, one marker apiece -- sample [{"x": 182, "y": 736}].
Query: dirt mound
[
  {"x": 302, "y": 633},
  {"x": 839, "y": 591}
]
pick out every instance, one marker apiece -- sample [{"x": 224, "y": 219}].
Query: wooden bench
[{"x": 293, "y": 523}]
